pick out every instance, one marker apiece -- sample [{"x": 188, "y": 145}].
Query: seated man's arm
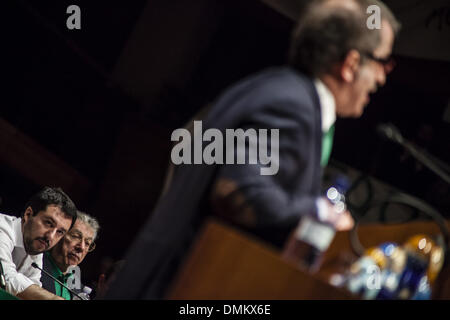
[
  {"x": 34, "y": 292},
  {"x": 16, "y": 283}
]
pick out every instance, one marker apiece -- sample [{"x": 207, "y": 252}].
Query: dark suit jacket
[
  {"x": 278, "y": 98},
  {"x": 47, "y": 282}
]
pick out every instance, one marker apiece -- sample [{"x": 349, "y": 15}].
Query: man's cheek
[{"x": 68, "y": 260}]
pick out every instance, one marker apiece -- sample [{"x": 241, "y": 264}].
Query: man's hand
[{"x": 341, "y": 220}]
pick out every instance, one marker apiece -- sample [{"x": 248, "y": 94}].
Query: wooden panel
[
  {"x": 226, "y": 264},
  {"x": 36, "y": 163}
]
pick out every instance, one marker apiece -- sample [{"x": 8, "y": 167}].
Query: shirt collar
[{"x": 327, "y": 104}]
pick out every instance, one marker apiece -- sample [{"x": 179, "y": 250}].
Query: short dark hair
[
  {"x": 324, "y": 35},
  {"x": 52, "y": 196}
]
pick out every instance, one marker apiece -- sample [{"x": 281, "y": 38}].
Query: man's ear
[
  {"x": 27, "y": 214},
  {"x": 350, "y": 66}
]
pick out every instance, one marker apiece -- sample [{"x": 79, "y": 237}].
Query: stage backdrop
[
  {"x": 425, "y": 28},
  {"x": 425, "y": 25}
]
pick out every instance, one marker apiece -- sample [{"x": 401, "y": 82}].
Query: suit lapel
[{"x": 317, "y": 135}]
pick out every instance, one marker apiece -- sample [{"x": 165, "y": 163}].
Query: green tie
[{"x": 327, "y": 145}]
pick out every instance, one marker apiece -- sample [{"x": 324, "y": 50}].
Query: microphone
[
  {"x": 389, "y": 131},
  {"x": 34, "y": 265}
]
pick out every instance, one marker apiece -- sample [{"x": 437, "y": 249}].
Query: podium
[{"x": 227, "y": 264}]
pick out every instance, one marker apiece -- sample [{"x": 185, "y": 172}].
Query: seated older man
[{"x": 70, "y": 252}]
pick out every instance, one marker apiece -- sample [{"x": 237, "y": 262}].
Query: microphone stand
[
  {"x": 432, "y": 163},
  {"x": 34, "y": 265},
  {"x": 426, "y": 159}
]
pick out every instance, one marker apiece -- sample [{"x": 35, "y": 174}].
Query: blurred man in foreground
[{"x": 335, "y": 63}]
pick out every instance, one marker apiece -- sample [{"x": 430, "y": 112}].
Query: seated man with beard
[{"x": 47, "y": 217}]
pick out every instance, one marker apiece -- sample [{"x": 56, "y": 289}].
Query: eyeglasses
[
  {"x": 78, "y": 237},
  {"x": 387, "y": 63}
]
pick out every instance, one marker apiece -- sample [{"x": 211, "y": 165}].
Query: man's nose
[
  {"x": 80, "y": 246},
  {"x": 381, "y": 76},
  {"x": 51, "y": 234}
]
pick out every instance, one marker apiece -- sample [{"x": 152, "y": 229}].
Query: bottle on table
[
  {"x": 84, "y": 294},
  {"x": 311, "y": 238}
]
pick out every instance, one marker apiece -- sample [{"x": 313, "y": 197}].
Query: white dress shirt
[
  {"x": 327, "y": 105},
  {"x": 328, "y": 117},
  {"x": 19, "y": 274}
]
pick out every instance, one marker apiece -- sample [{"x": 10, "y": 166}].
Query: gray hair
[
  {"x": 89, "y": 221},
  {"x": 325, "y": 34}
]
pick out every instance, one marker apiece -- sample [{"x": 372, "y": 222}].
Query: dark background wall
[{"x": 95, "y": 107}]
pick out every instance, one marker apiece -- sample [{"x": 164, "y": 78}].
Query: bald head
[
  {"x": 357, "y": 6},
  {"x": 329, "y": 29},
  {"x": 348, "y": 4}
]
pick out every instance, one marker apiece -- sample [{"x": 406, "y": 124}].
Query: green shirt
[
  {"x": 327, "y": 145},
  {"x": 57, "y": 273}
]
